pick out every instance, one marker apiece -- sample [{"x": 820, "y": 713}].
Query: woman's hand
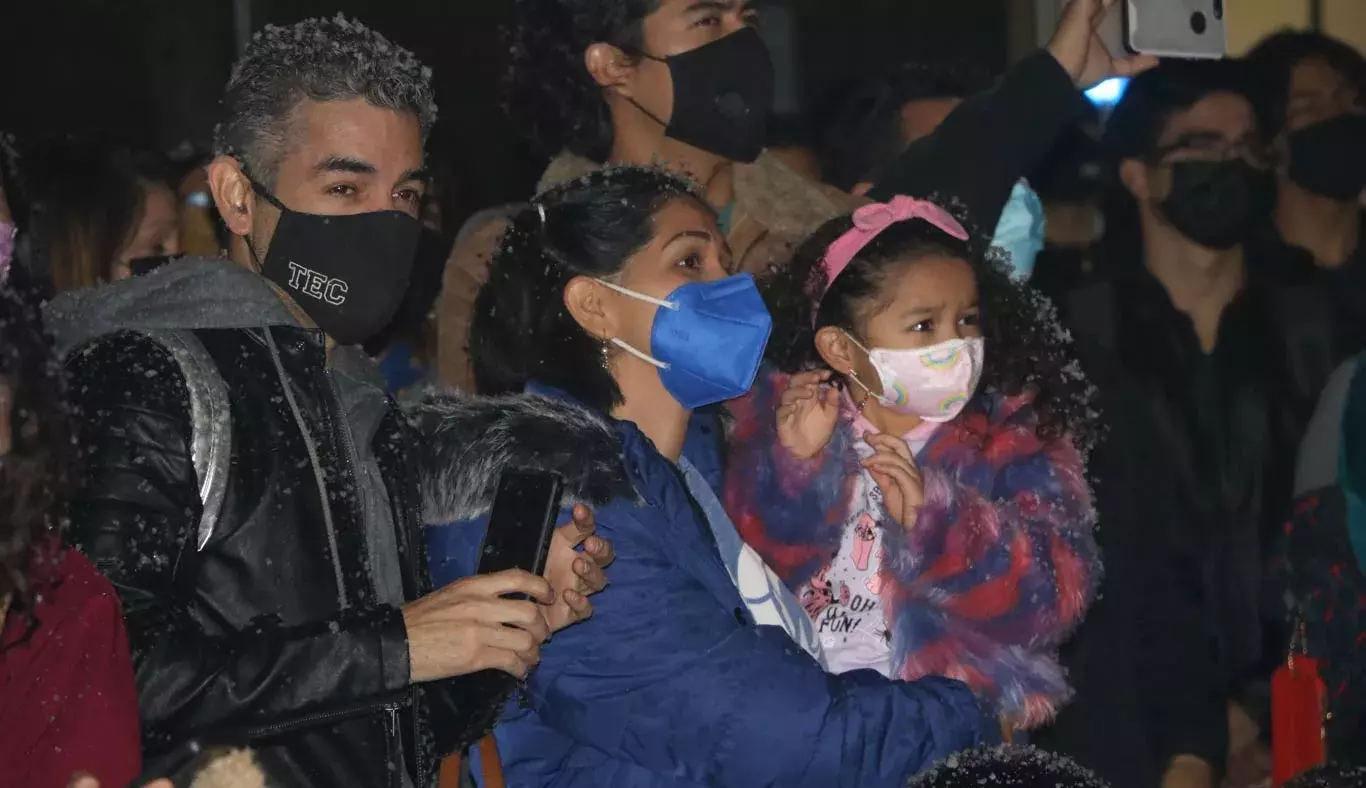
[
  {"x": 893, "y": 468},
  {"x": 807, "y": 414},
  {"x": 573, "y": 574},
  {"x": 1078, "y": 48}
]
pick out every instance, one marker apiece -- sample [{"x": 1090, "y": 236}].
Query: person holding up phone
[{"x": 250, "y": 487}]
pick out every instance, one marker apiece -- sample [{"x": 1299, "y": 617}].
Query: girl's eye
[
  {"x": 923, "y": 326},
  {"x": 970, "y": 320}
]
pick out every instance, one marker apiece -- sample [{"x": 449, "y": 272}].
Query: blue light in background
[{"x": 1109, "y": 92}]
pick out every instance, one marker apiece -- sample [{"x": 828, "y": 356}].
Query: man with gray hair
[{"x": 249, "y": 486}]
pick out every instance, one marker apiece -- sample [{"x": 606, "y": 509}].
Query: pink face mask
[{"x": 934, "y": 383}]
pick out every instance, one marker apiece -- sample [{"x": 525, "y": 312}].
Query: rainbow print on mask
[
  {"x": 934, "y": 383},
  {"x": 946, "y": 357}
]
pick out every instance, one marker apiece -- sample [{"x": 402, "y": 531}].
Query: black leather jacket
[{"x": 267, "y": 621}]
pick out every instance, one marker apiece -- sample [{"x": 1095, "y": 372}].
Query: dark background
[{"x": 150, "y": 71}]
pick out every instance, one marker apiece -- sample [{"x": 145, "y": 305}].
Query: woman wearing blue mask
[{"x": 612, "y": 307}]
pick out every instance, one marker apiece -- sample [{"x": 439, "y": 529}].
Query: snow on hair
[{"x": 321, "y": 59}]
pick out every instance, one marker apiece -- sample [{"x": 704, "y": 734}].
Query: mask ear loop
[
  {"x": 659, "y": 302},
  {"x": 264, "y": 193},
  {"x": 859, "y": 406}
]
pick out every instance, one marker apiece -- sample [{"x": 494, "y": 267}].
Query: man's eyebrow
[
  {"x": 420, "y": 174},
  {"x": 344, "y": 164}
]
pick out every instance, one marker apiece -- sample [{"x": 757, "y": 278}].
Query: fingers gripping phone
[
  {"x": 1192, "y": 29},
  {"x": 521, "y": 523}
]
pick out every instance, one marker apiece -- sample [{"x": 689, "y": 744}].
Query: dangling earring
[{"x": 605, "y": 353}]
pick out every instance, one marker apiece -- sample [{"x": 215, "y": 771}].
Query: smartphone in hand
[
  {"x": 521, "y": 523},
  {"x": 1190, "y": 29}
]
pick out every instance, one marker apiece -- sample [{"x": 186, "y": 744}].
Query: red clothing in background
[{"x": 67, "y": 698}]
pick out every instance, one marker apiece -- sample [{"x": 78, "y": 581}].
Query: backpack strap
[{"x": 210, "y": 422}]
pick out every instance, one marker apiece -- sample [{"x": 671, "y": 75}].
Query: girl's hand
[
  {"x": 807, "y": 414},
  {"x": 893, "y": 468}
]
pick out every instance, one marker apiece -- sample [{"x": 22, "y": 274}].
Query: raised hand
[
  {"x": 807, "y": 414},
  {"x": 1078, "y": 48},
  {"x": 893, "y": 469}
]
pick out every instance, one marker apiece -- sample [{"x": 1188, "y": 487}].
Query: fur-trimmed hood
[{"x": 468, "y": 441}]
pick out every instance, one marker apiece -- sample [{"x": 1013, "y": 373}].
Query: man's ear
[
  {"x": 1134, "y": 175},
  {"x": 835, "y": 349},
  {"x": 232, "y": 194},
  {"x": 610, "y": 67},
  {"x": 584, "y": 299}
]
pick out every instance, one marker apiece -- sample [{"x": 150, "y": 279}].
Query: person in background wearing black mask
[
  {"x": 688, "y": 86},
  {"x": 249, "y": 488},
  {"x": 1312, "y": 92},
  {"x": 1207, "y": 379}
]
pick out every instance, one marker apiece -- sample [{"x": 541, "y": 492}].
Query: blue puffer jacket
[{"x": 670, "y": 683}]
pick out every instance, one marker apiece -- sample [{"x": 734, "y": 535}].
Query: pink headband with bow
[{"x": 871, "y": 220}]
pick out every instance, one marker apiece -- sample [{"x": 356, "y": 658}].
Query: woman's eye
[
  {"x": 751, "y": 18},
  {"x": 709, "y": 21},
  {"x": 693, "y": 261},
  {"x": 342, "y": 190},
  {"x": 410, "y": 196}
]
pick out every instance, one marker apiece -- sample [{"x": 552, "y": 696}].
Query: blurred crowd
[{"x": 962, "y": 431}]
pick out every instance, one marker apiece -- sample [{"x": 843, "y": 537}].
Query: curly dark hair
[
  {"x": 37, "y": 472},
  {"x": 521, "y": 329},
  {"x": 334, "y": 59},
  {"x": 1027, "y": 348},
  {"x": 548, "y": 90}
]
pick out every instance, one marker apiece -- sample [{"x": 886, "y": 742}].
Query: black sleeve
[
  {"x": 989, "y": 142},
  {"x": 136, "y": 516}
]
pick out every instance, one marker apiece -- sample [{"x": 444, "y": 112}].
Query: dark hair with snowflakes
[
  {"x": 35, "y": 474},
  {"x": 1007, "y": 767},
  {"x": 332, "y": 59}
]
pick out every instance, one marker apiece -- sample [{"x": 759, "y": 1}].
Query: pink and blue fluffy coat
[{"x": 997, "y": 569}]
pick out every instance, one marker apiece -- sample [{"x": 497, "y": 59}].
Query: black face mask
[
  {"x": 1329, "y": 158},
  {"x": 348, "y": 273},
  {"x": 1218, "y": 203},
  {"x": 723, "y": 96}
]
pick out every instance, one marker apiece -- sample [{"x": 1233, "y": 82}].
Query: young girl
[{"x": 962, "y": 542}]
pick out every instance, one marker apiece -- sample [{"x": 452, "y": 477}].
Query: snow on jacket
[
  {"x": 670, "y": 683},
  {"x": 1000, "y": 564}
]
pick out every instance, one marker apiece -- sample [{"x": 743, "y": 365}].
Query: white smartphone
[{"x": 1192, "y": 29}]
